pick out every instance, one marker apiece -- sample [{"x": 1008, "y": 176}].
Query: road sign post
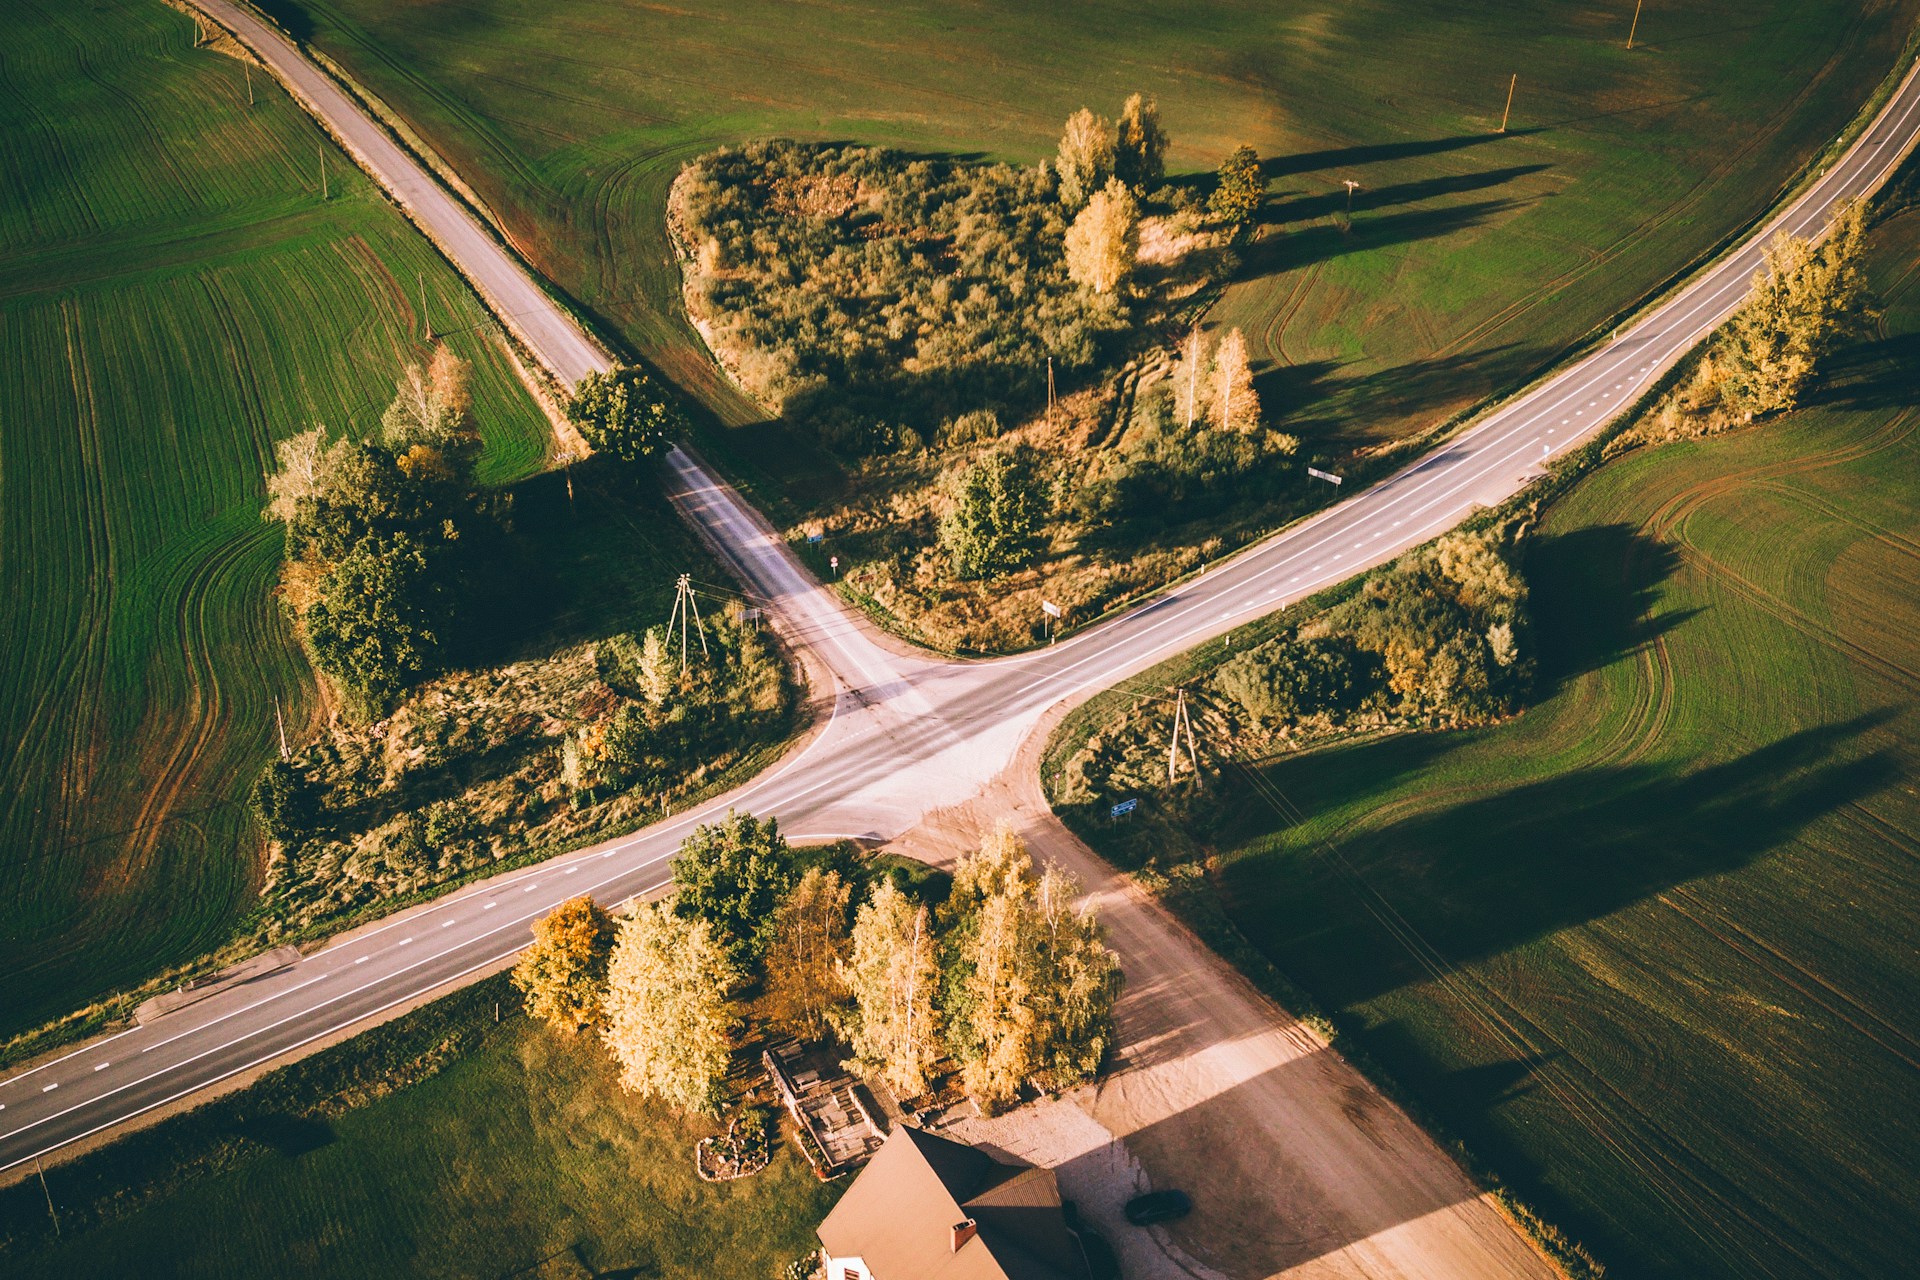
[
  {"x": 834, "y": 563},
  {"x": 1328, "y": 476},
  {"x": 1051, "y": 611}
]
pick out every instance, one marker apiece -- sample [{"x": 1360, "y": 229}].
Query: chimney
[{"x": 963, "y": 1232}]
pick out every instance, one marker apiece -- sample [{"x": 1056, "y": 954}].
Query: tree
[
  {"x": 1086, "y": 157},
  {"x": 1804, "y": 300},
  {"x": 362, "y": 492},
  {"x": 301, "y": 474},
  {"x": 1104, "y": 240},
  {"x": 378, "y": 622},
  {"x": 624, "y": 412},
  {"x": 670, "y": 1018},
  {"x": 563, "y": 974},
  {"x": 431, "y": 408},
  {"x": 1076, "y": 983},
  {"x": 809, "y": 951},
  {"x": 1241, "y": 188},
  {"x": 1236, "y": 406},
  {"x": 892, "y": 1027},
  {"x": 284, "y": 801},
  {"x": 999, "y": 503},
  {"x": 734, "y": 875},
  {"x": 1140, "y": 145},
  {"x": 1036, "y": 983}
]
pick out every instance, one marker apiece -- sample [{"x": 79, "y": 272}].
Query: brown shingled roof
[{"x": 899, "y": 1216}]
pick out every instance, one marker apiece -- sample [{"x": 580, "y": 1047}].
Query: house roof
[{"x": 899, "y": 1216}]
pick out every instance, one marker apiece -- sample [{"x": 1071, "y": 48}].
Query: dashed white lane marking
[
  {"x": 609, "y": 853},
  {"x": 50, "y": 1088},
  {"x": 103, "y": 1066},
  {"x": 405, "y": 941},
  {"x": 570, "y": 870},
  {"x": 361, "y": 960},
  {"x": 530, "y": 888}
]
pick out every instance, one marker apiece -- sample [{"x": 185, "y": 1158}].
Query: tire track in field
[
  {"x": 1708, "y": 180},
  {"x": 1731, "y": 934}
]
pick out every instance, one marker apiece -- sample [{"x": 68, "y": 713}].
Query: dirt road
[{"x": 1297, "y": 1165}]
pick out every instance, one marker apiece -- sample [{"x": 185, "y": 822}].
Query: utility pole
[
  {"x": 1511, "y": 86},
  {"x": 281, "y": 721},
  {"x": 684, "y": 608},
  {"x": 323, "y": 169},
  {"x": 1631, "y": 31},
  {"x": 1049, "y": 390},
  {"x": 48, "y": 1194},
  {"x": 1181, "y": 725},
  {"x": 428, "y": 321},
  {"x": 1351, "y": 187},
  {"x": 248, "y": 68},
  {"x": 1193, "y": 373}
]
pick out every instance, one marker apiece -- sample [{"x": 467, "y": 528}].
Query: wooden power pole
[
  {"x": 1511, "y": 86},
  {"x": 1181, "y": 725},
  {"x": 683, "y": 609},
  {"x": 1635, "y": 28}
]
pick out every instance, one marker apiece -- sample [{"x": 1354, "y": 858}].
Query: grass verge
[{"x": 441, "y": 1144}]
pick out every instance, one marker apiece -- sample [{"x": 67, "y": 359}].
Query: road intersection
[{"x": 906, "y": 735}]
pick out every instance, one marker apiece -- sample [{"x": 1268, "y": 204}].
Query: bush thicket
[{"x": 872, "y": 296}]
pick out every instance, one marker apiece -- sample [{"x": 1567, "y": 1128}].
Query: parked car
[{"x": 1158, "y": 1206}]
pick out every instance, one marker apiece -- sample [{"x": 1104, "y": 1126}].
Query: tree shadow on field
[
  {"x": 1595, "y": 590},
  {"x": 1291, "y": 207},
  {"x": 1275, "y": 254},
  {"x": 1374, "y": 153},
  {"x": 1314, "y": 401},
  {"x": 1476, "y": 1089},
  {"x": 291, "y": 15},
  {"x": 288, "y": 1135},
  {"x": 1491, "y": 872},
  {"x": 1875, "y": 375}
]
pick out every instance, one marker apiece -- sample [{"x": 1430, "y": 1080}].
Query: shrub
[
  {"x": 377, "y": 626},
  {"x": 624, "y": 412},
  {"x": 999, "y": 503},
  {"x": 1240, "y": 188},
  {"x": 285, "y": 802}
]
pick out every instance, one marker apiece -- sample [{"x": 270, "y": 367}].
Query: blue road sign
[{"x": 1125, "y": 807}]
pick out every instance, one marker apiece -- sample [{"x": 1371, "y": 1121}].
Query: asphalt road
[{"x": 908, "y": 735}]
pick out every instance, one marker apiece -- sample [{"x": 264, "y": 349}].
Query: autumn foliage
[{"x": 564, "y": 972}]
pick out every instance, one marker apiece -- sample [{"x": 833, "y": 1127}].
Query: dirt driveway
[{"x": 1296, "y": 1164}]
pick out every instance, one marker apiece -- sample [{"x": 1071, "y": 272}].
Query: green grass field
[
  {"x": 1472, "y": 259},
  {"x": 173, "y": 298},
  {"x": 520, "y": 1158},
  {"x": 1649, "y": 949}
]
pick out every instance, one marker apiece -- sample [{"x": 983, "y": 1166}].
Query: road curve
[{"x": 907, "y": 734}]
